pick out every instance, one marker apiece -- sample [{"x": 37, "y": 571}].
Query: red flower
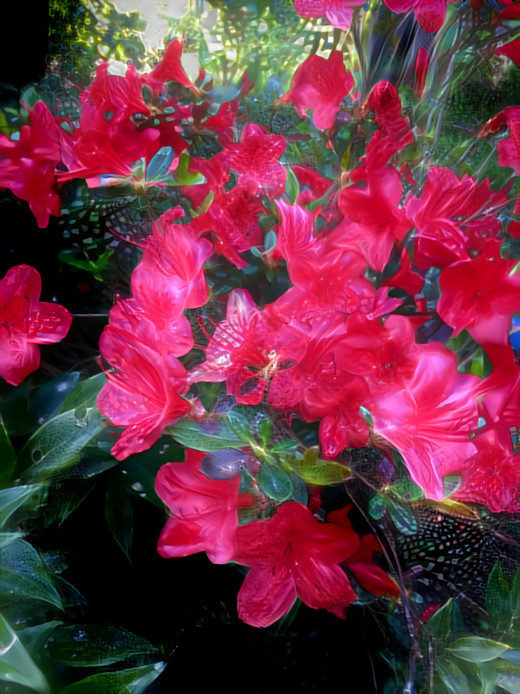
[
  {"x": 255, "y": 160},
  {"x": 511, "y": 50},
  {"x": 320, "y": 85},
  {"x": 169, "y": 70},
  {"x": 292, "y": 555},
  {"x": 429, "y": 418},
  {"x": 338, "y": 12},
  {"x": 170, "y": 277},
  {"x": 480, "y": 296},
  {"x": 440, "y": 214},
  {"x": 508, "y": 148},
  {"x": 26, "y": 322},
  {"x": 375, "y": 217},
  {"x": 27, "y": 164},
  {"x": 429, "y": 13},
  {"x": 204, "y": 511},
  {"x": 421, "y": 68},
  {"x": 144, "y": 394}
]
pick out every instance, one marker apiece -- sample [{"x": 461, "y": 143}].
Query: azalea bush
[{"x": 287, "y": 320}]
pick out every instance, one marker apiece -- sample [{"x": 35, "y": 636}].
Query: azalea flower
[
  {"x": 204, "y": 511},
  {"x": 320, "y": 85},
  {"x": 338, "y": 12},
  {"x": 27, "y": 164},
  {"x": 480, "y": 296},
  {"x": 170, "y": 277},
  {"x": 26, "y": 322},
  {"x": 292, "y": 555},
  {"x": 143, "y": 394},
  {"x": 429, "y": 418},
  {"x": 256, "y": 160},
  {"x": 430, "y": 14}
]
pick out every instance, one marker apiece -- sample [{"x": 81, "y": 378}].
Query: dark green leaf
[
  {"x": 13, "y": 498},
  {"x": 23, "y": 575},
  {"x": 377, "y": 506},
  {"x": 212, "y": 437},
  {"x": 7, "y": 456},
  {"x": 96, "y": 645},
  {"x": 119, "y": 514},
  {"x": 134, "y": 680},
  {"x": 16, "y": 665},
  {"x": 157, "y": 168},
  {"x": 453, "y": 678},
  {"x": 56, "y": 445},
  {"x": 46, "y": 401},
  {"x": 439, "y": 623},
  {"x": 292, "y": 186},
  {"x": 403, "y": 518},
  {"x": 85, "y": 393},
  {"x": 477, "y": 649},
  {"x": 275, "y": 482},
  {"x": 498, "y": 596},
  {"x": 239, "y": 425}
]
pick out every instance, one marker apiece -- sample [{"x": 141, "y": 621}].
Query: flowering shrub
[{"x": 318, "y": 317}]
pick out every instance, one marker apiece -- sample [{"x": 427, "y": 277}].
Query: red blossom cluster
[{"x": 338, "y": 346}]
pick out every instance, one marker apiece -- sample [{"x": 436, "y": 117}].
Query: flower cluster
[{"x": 379, "y": 287}]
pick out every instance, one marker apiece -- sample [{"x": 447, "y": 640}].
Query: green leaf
[
  {"x": 16, "y": 665},
  {"x": 46, "y": 400},
  {"x": 119, "y": 515},
  {"x": 7, "y": 456},
  {"x": 403, "y": 518},
  {"x": 323, "y": 473},
  {"x": 284, "y": 446},
  {"x": 85, "y": 393},
  {"x": 498, "y": 596},
  {"x": 12, "y": 498},
  {"x": 511, "y": 683},
  {"x": 377, "y": 506},
  {"x": 56, "y": 445},
  {"x": 183, "y": 177},
  {"x": 215, "y": 436},
  {"x": 477, "y": 649},
  {"x": 453, "y": 678},
  {"x": 23, "y": 575},
  {"x": 451, "y": 483},
  {"x": 134, "y": 680},
  {"x": 239, "y": 425},
  {"x": 511, "y": 657},
  {"x": 157, "y": 168},
  {"x": 292, "y": 186},
  {"x": 407, "y": 491},
  {"x": 96, "y": 645},
  {"x": 439, "y": 623},
  {"x": 223, "y": 94},
  {"x": 275, "y": 482},
  {"x": 34, "y": 638}
]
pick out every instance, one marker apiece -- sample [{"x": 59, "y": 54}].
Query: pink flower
[
  {"x": 169, "y": 70},
  {"x": 509, "y": 147},
  {"x": 170, "y": 276},
  {"x": 338, "y": 12},
  {"x": 204, "y": 511},
  {"x": 429, "y": 418},
  {"x": 440, "y": 216},
  {"x": 292, "y": 555},
  {"x": 27, "y": 165},
  {"x": 26, "y": 322},
  {"x": 429, "y": 13},
  {"x": 511, "y": 50},
  {"x": 255, "y": 160},
  {"x": 143, "y": 394},
  {"x": 320, "y": 85},
  {"x": 480, "y": 296}
]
